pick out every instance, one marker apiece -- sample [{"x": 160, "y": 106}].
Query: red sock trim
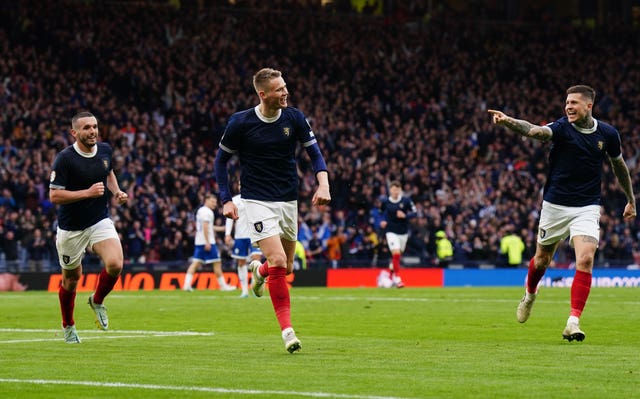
[
  {"x": 279, "y": 293},
  {"x": 105, "y": 285},
  {"x": 263, "y": 270},
  {"x": 67, "y": 303},
  {"x": 580, "y": 289},
  {"x": 533, "y": 277},
  {"x": 395, "y": 261}
]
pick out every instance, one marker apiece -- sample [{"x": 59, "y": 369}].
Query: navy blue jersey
[
  {"x": 266, "y": 150},
  {"x": 73, "y": 172},
  {"x": 390, "y": 209},
  {"x": 575, "y": 162}
]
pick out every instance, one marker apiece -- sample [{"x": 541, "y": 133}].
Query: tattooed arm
[
  {"x": 621, "y": 171},
  {"x": 522, "y": 127}
]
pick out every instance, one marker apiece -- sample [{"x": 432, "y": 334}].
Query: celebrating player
[
  {"x": 571, "y": 202},
  {"x": 82, "y": 182},
  {"x": 265, "y": 139}
]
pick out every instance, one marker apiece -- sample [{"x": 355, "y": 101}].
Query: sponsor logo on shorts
[{"x": 258, "y": 226}]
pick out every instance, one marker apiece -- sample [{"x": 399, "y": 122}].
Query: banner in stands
[
  {"x": 332, "y": 278},
  {"x": 552, "y": 278}
]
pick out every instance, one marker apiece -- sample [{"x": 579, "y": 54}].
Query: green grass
[{"x": 356, "y": 343}]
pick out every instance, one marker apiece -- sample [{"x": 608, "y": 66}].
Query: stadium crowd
[{"x": 388, "y": 98}]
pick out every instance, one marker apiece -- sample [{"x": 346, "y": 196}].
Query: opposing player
[
  {"x": 82, "y": 183},
  {"x": 205, "y": 251},
  {"x": 242, "y": 249},
  {"x": 397, "y": 211},
  {"x": 571, "y": 201},
  {"x": 265, "y": 139}
]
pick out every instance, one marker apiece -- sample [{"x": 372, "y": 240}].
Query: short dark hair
[
  {"x": 81, "y": 114},
  {"x": 586, "y": 91},
  {"x": 395, "y": 183}
]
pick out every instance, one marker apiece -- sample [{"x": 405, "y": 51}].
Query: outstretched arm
[{"x": 522, "y": 127}]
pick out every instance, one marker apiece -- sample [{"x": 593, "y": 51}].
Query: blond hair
[{"x": 263, "y": 76}]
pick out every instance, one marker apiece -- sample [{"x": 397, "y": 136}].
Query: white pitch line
[
  {"x": 198, "y": 389},
  {"x": 137, "y": 332},
  {"x": 112, "y": 334}
]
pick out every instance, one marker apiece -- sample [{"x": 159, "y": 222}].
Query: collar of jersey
[
  {"x": 264, "y": 118},
  {"x": 589, "y": 130},
  {"x": 91, "y": 154}
]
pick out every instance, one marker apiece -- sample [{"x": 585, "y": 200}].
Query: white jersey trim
[
  {"x": 264, "y": 118},
  {"x": 588, "y": 130}
]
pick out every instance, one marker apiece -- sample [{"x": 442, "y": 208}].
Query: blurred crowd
[{"x": 389, "y": 98}]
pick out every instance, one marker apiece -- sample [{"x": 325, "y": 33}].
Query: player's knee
[
  {"x": 278, "y": 260},
  {"x": 70, "y": 283},
  {"x": 542, "y": 260},
  {"x": 585, "y": 262},
  {"x": 114, "y": 268}
]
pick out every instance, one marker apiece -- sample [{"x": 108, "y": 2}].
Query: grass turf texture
[{"x": 356, "y": 343}]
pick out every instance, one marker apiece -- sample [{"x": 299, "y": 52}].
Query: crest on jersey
[
  {"x": 258, "y": 226},
  {"x": 542, "y": 233},
  {"x": 105, "y": 163},
  {"x": 286, "y": 131},
  {"x": 600, "y": 145},
  {"x": 53, "y": 176},
  {"x": 66, "y": 259}
]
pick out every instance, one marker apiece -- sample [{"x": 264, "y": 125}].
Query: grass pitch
[{"x": 356, "y": 343}]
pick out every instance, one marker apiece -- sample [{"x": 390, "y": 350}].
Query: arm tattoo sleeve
[
  {"x": 528, "y": 129},
  {"x": 622, "y": 173}
]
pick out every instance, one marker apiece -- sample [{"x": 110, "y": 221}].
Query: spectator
[
  {"x": 512, "y": 246},
  {"x": 334, "y": 247},
  {"x": 444, "y": 249},
  {"x": 37, "y": 251},
  {"x": 10, "y": 249}
]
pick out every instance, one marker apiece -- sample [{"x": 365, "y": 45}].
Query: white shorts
[
  {"x": 397, "y": 241},
  {"x": 558, "y": 222},
  {"x": 268, "y": 219},
  {"x": 71, "y": 245}
]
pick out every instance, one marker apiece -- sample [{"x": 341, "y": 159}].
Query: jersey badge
[
  {"x": 286, "y": 131},
  {"x": 600, "y": 145},
  {"x": 105, "y": 164},
  {"x": 53, "y": 176}
]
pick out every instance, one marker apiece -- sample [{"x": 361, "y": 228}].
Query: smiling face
[
  {"x": 578, "y": 108},
  {"x": 274, "y": 94},
  {"x": 85, "y": 131}
]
